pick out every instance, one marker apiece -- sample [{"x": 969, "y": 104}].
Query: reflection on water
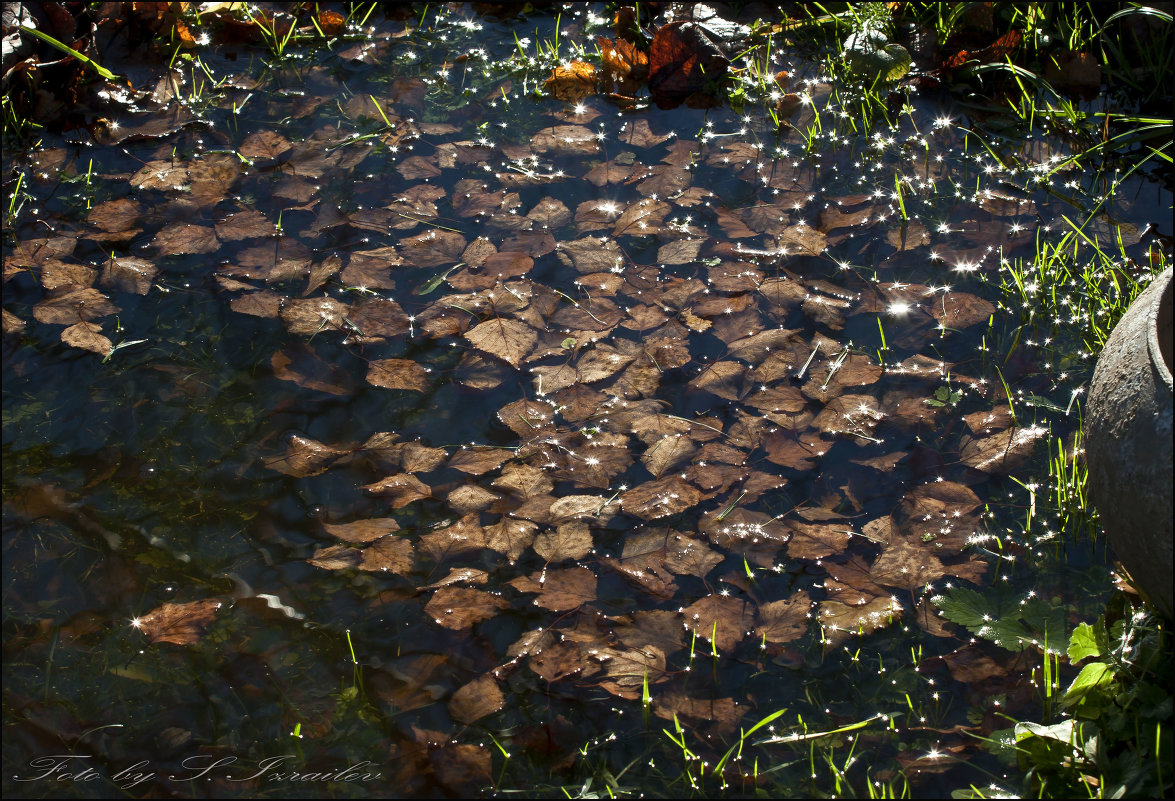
[{"x": 487, "y": 442}]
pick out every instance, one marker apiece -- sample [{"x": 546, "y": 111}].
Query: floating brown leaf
[
  {"x": 724, "y": 379},
  {"x": 509, "y": 340},
  {"x": 470, "y": 498},
  {"x": 1001, "y": 453},
  {"x": 689, "y": 556},
  {"x": 571, "y": 83},
  {"x": 390, "y": 554},
  {"x": 839, "y": 621},
  {"x": 510, "y": 537},
  {"x": 719, "y": 715},
  {"x": 361, "y": 531},
  {"x": 457, "y": 575},
  {"x": 87, "y": 336},
  {"x": 571, "y": 540},
  {"x": 336, "y": 557},
  {"x": 475, "y": 700},
  {"x": 305, "y": 457},
  {"x": 398, "y": 374},
  {"x": 181, "y": 624},
  {"x": 629, "y": 670},
  {"x": 461, "y": 539},
  {"x": 719, "y": 619},
  {"x": 817, "y": 540},
  {"x": 667, "y": 454},
  {"x": 660, "y": 498},
  {"x": 476, "y": 461},
  {"x": 128, "y": 274},
  {"x": 70, "y": 305},
  {"x": 402, "y": 489},
  {"x": 786, "y": 620},
  {"x": 461, "y": 607},
  {"x": 566, "y": 589},
  {"x": 959, "y": 310}
]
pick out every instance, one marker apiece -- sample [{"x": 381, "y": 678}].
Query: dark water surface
[{"x": 719, "y": 457}]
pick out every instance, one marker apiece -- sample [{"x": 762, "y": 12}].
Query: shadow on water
[{"x": 696, "y": 433}]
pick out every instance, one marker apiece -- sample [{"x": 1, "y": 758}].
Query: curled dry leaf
[
  {"x": 460, "y": 608},
  {"x": 181, "y": 624},
  {"x": 336, "y": 557}
]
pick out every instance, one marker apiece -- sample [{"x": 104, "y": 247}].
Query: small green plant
[
  {"x": 944, "y": 396},
  {"x": 1114, "y": 736}
]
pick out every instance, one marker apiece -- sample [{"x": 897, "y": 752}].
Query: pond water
[{"x": 370, "y": 409}]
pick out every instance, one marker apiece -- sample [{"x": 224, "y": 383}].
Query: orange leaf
[
  {"x": 572, "y": 83},
  {"x": 332, "y": 23}
]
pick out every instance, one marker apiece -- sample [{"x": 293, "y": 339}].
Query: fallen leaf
[
  {"x": 305, "y": 457},
  {"x": 475, "y": 700},
  {"x": 571, "y": 83},
  {"x": 460, "y": 608},
  {"x": 402, "y": 489},
  {"x": 719, "y": 619},
  {"x": 786, "y": 620},
  {"x": 566, "y": 589},
  {"x": 509, "y": 340},
  {"x": 398, "y": 374},
  {"x": 180, "y": 624},
  {"x": 390, "y": 554},
  {"x": 362, "y": 531},
  {"x": 87, "y": 336}
]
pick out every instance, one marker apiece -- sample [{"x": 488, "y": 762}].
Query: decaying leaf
[
  {"x": 305, "y": 457},
  {"x": 181, "y": 624},
  {"x": 786, "y": 620},
  {"x": 719, "y": 619},
  {"x": 509, "y": 340},
  {"x": 87, "y": 336},
  {"x": 565, "y": 589},
  {"x": 461, "y": 607},
  {"x": 361, "y": 531},
  {"x": 391, "y": 554},
  {"x": 398, "y": 374},
  {"x": 475, "y": 700}
]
